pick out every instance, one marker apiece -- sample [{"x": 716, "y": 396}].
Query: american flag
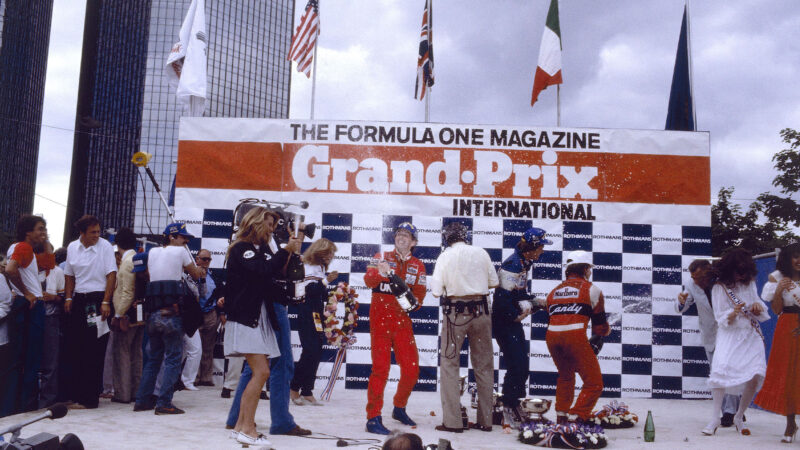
[
  {"x": 425, "y": 61},
  {"x": 305, "y": 38}
]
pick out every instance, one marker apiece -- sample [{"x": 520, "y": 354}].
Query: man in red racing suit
[
  {"x": 570, "y": 306},
  {"x": 390, "y": 327}
]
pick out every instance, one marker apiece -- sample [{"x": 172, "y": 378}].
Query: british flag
[{"x": 425, "y": 61}]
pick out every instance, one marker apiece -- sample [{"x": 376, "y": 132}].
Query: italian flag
[{"x": 548, "y": 71}]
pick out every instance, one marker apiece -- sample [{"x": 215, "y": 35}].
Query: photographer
[{"x": 316, "y": 260}]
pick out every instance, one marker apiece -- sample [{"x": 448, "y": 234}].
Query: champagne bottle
[
  {"x": 399, "y": 288},
  {"x": 649, "y": 428},
  {"x": 295, "y": 276}
]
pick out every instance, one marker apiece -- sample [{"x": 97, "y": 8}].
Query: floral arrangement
[
  {"x": 341, "y": 337},
  {"x": 544, "y": 433},
  {"x": 615, "y": 415}
]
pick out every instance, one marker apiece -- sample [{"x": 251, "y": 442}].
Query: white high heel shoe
[{"x": 711, "y": 428}]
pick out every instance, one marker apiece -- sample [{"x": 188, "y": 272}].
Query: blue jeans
[
  {"x": 281, "y": 372},
  {"x": 165, "y": 343},
  {"x": 244, "y": 378}
]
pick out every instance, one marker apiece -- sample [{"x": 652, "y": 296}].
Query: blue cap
[
  {"x": 409, "y": 227},
  {"x": 139, "y": 262},
  {"x": 178, "y": 228},
  {"x": 534, "y": 237}
]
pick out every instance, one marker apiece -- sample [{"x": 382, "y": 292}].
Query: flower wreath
[
  {"x": 615, "y": 415},
  {"x": 544, "y": 433},
  {"x": 343, "y": 337}
]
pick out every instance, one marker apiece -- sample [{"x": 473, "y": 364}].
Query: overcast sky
[{"x": 618, "y": 59}]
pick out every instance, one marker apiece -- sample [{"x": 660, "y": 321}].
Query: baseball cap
[
  {"x": 579, "y": 257},
  {"x": 534, "y": 237},
  {"x": 178, "y": 228},
  {"x": 139, "y": 262},
  {"x": 409, "y": 227}
]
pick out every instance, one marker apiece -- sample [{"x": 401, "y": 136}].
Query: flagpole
[
  {"x": 428, "y": 105},
  {"x": 558, "y": 105},
  {"x": 689, "y": 57},
  {"x": 314, "y": 82}
]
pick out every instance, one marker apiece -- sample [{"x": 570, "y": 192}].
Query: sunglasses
[{"x": 204, "y": 259}]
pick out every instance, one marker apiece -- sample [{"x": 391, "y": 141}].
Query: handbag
[
  {"x": 120, "y": 324},
  {"x": 191, "y": 313}
]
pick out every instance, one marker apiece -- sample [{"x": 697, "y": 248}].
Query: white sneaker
[
  {"x": 191, "y": 387},
  {"x": 234, "y": 434},
  {"x": 300, "y": 401},
  {"x": 248, "y": 440}
]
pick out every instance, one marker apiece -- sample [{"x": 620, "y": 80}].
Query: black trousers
[
  {"x": 305, "y": 370},
  {"x": 85, "y": 351}
]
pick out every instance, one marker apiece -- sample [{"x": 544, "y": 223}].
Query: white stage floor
[{"x": 115, "y": 426}]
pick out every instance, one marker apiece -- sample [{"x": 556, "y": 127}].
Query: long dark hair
[
  {"x": 736, "y": 261},
  {"x": 784, "y": 263}
]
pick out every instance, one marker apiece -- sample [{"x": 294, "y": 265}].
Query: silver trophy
[{"x": 535, "y": 408}]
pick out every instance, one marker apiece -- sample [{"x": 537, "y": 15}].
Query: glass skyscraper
[
  {"x": 125, "y": 103},
  {"x": 24, "y": 40}
]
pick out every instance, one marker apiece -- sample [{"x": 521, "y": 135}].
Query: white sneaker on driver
[{"x": 249, "y": 440}]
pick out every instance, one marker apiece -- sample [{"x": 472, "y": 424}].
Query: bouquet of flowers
[
  {"x": 615, "y": 415},
  {"x": 544, "y": 433},
  {"x": 341, "y": 337}
]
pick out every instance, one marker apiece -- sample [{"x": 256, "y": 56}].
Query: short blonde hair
[{"x": 313, "y": 254}]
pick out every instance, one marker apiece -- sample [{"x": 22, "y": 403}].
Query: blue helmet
[
  {"x": 409, "y": 227},
  {"x": 532, "y": 238}
]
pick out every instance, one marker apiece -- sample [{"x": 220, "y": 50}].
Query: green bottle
[{"x": 649, "y": 428}]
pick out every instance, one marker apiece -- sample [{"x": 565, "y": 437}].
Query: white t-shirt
[
  {"x": 167, "y": 263},
  {"x": 90, "y": 265},
  {"x": 54, "y": 284},
  {"x": 22, "y": 253},
  {"x": 463, "y": 270}
]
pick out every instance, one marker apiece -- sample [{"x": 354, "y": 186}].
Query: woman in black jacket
[
  {"x": 310, "y": 317},
  {"x": 250, "y": 292}
]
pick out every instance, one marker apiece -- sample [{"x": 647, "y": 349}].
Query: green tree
[
  {"x": 733, "y": 227},
  {"x": 784, "y": 210}
]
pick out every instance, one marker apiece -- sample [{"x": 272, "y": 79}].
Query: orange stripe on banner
[
  {"x": 229, "y": 165},
  {"x": 624, "y": 178}
]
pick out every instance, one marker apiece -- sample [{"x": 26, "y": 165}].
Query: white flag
[{"x": 187, "y": 61}]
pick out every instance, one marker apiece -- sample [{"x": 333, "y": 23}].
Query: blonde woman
[
  {"x": 250, "y": 294},
  {"x": 316, "y": 259}
]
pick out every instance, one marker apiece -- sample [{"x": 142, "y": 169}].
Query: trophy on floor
[{"x": 534, "y": 408}]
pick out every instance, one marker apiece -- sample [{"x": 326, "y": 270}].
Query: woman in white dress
[
  {"x": 250, "y": 292},
  {"x": 739, "y": 363}
]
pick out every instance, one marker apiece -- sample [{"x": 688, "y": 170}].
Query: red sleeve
[
  {"x": 373, "y": 278},
  {"x": 23, "y": 254},
  {"x": 419, "y": 288}
]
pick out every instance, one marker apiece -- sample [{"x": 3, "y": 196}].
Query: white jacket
[{"x": 708, "y": 325}]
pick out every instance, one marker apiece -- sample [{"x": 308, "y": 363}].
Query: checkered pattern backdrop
[{"x": 651, "y": 352}]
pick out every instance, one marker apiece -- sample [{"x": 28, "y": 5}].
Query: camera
[{"x": 288, "y": 223}]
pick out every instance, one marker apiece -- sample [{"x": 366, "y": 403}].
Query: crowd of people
[{"x": 147, "y": 323}]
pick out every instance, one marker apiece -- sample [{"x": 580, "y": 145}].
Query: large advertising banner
[{"x": 639, "y": 201}]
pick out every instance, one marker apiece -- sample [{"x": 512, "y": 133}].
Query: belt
[
  {"x": 568, "y": 327},
  {"x": 466, "y": 298}
]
